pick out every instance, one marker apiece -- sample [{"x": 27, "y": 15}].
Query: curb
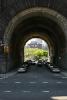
[{"x": 2, "y": 76}]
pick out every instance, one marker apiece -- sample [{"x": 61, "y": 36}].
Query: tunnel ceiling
[
  {"x": 43, "y": 25},
  {"x": 9, "y": 9}
]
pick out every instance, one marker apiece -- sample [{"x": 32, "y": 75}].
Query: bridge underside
[{"x": 39, "y": 23}]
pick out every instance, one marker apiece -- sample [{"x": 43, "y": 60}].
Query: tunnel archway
[
  {"x": 39, "y": 35},
  {"x": 50, "y": 26},
  {"x": 35, "y": 46}
]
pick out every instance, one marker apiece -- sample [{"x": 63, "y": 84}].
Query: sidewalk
[{"x": 6, "y": 75}]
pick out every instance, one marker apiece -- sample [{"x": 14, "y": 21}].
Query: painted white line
[
  {"x": 5, "y": 76},
  {"x": 46, "y": 91},
  {"x": 7, "y": 91},
  {"x": 57, "y": 74},
  {"x": 59, "y": 82},
  {"x": 1, "y": 78},
  {"x": 64, "y": 77},
  {"x": 44, "y": 82},
  {"x": 26, "y": 91},
  {"x": 32, "y": 82},
  {"x": 17, "y": 82}
]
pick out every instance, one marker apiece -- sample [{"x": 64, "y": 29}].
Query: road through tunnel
[{"x": 36, "y": 23}]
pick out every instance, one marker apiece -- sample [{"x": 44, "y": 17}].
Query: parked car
[
  {"x": 52, "y": 67},
  {"x": 39, "y": 63},
  {"x": 54, "y": 70},
  {"x": 47, "y": 64},
  {"x": 36, "y": 62},
  {"x": 33, "y": 62},
  {"x": 23, "y": 68},
  {"x": 29, "y": 62}
]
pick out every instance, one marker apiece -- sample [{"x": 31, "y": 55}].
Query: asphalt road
[{"x": 37, "y": 84}]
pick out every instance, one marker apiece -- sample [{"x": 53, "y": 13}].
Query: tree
[{"x": 39, "y": 54}]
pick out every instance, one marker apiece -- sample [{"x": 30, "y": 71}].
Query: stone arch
[
  {"x": 38, "y": 35},
  {"x": 45, "y": 13},
  {"x": 62, "y": 22}
]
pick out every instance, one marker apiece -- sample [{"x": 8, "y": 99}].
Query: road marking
[
  {"x": 59, "y": 82},
  {"x": 17, "y": 82},
  {"x": 7, "y": 91},
  {"x": 57, "y": 74},
  {"x": 5, "y": 77},
  {"x": 44, "y": 82},
  {"x": 1, "y": 78},
  {"x": 26, "y": 91},
  {"x": 32, "y": 82},
  {"x": 64, "y": 77},
  {"x": 46, "y": 91}
]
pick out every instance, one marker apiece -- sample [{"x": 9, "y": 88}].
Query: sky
[{"x": 37, "y": 39}]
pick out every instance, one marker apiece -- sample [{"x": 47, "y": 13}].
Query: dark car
[
  {"x": 23, "y": 68},
  {"x": 39, "y": 63},
  {"x": 47, "y": 64},
  {"x": 29, "y": 62},
  {"x": 33, "y": 62}
]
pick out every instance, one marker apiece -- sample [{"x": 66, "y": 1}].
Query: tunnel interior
[{"x": 36, "y": 27}]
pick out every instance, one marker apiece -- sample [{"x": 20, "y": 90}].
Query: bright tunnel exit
[{"x": 36, "y": 49}]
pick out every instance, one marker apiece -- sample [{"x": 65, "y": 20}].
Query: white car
[
  {"x": 22, "y": 70},
  {"x": 55, "y": 70}
]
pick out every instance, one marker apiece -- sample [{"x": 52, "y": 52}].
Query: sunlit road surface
[
  {"x": 37, "y": 84},
  {"x": 59, "y": 98}
]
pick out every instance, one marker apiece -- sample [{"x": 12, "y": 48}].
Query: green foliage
[
  {"x": 45, "y": 53},
  {"x": 35, "y": 53},
  {"x": 39, "y": 54}
]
